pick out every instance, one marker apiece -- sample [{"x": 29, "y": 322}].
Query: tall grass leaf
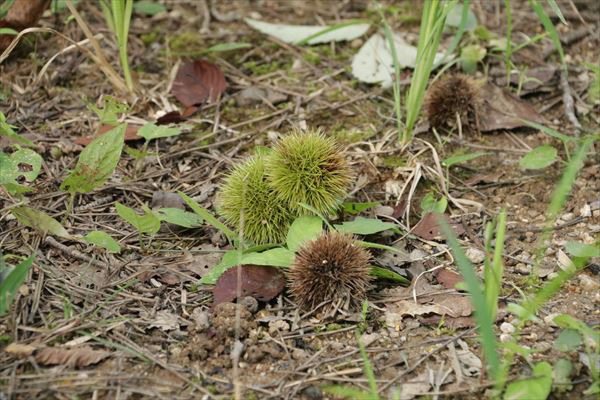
[
  {"x": 483, "y": 315},
  {"x": 557, "y": 11},
  {"x": 550, "y": 28},
  {"x": 208, "y": 217}
]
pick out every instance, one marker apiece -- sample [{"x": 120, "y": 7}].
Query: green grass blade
[
  {"x": 550, "y": 28},
  {"x": 483, "y": 314}
]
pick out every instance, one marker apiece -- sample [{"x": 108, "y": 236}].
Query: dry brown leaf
[
  {"x": 198, "y": 81},
  {"x": 22, "y": 14},
  {"x": 502, "y": 110},
  {"x": 130, "y": 134},
  {"x": 76, "y": 357},
  {"x": 448, "y": 278},
  {"x": 20, "y": 350},
  {"x": 259, "y": 281},
  {"x": 428, "y": 227}
]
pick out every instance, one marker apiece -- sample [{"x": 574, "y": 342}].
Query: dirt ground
[{"x": 146, "y": 329}]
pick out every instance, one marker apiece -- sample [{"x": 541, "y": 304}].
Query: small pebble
[
  {"x": 507, "y": 327},
  {"x": 278, "y": 326},
  {"x": 523, "y": 269},
  {"x": 588, "y": 283},
  {"x": 474, "y": 255}
]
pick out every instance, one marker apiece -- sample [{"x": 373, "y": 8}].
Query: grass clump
[
  {"x": 247, "y": 203},
  {"x": 309, "y": 168}
]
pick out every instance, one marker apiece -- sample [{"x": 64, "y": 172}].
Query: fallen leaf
[
  {"x": 532, "y": 79},
  {"x": 256, "y": 95},
  {"x": 174, "y": 117},
  {"x": 298, "y": 33},
  {"x": 261, "y": 282},
  {"x": 449, "y": 322},
  {"x": 165, "y": 320},
  {"x": 448, "y": 278},
  {"x": 454, "y": 305},
  {"x": 166, "y": 200},
  {"x": 201, "y": 264},
  {"x": 40, "y": 221},
  {"x": 500, "y": 109},
  {"x": 418, "y": 386},
  {"x": 428, "y": 227},
  {"x": 197, "y": 81},
  {"x": 75, "y": 357},
  {"x": 374, "y": 62},
  {"x": 20, "y": 350},
  {"x": 130, "y": 134}
]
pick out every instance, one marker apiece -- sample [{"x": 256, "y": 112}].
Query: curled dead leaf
[
  {"x": 428, "y": 227},
  {"x": 75, "y": 357},
  {"x": 259, "y": 281},
  {"x": 197, "y": 81},
  {"x": 130, "y": 134}
]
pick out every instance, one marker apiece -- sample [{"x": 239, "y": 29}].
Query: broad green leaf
[
  {"x": 567, "y": 321},
  {"x": 9, "y": 131},
  {"x": 230, "y": 259},
  {"x": 578, "y": 249},
  {"x": 538, "y": 158},
  {"x": 151, "y": 131},
  {"x": 536, "y": 388},
  {"x": 109, "y": 114},
  {"x": 103, "y": 240},
  {"x": 470, "y": 56},
  {"x": 303, "y": 229},
  {"x": 355, "y": 208},
  {"x": 147, "y": 7},
  {"x": 14, "y": 280},
  {"x": 208, "y": 217},
  {"x": 448, "y": 162},
  {"x": 147, "y": 223},
  {"x": 454, "y": 16},
  {"x": 180, "y": 217},
  {"x": 563, "y": 369},
  {"x": 384, "y": 273},
  {"x": 365, "y": 226},
  {"x": 96, "y": 162},
  {"x": 10, "y": 169},
  {"x": 227, "y": 47},
  {"x": 568, "y": 340},
  {"x": 40, "y": 221},
  {"x": 429, "y": 204},
  {"x": 278, "y": 257}
]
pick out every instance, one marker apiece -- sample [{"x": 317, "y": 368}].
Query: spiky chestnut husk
[
  {"x": 309, "y": 168},
  {"x": 246, "y": 196},
  {"x": 331, "y": 267},
  {"x": 452, "y": 94}
]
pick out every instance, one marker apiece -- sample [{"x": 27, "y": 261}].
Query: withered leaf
[
  {"x": 130, "y": 134},
  {"x": 259, "y": 281},
  {"x": 503, "y": 110},
  {"x": 20, "y": 350},
  {"x": 429, "y": 229},
  {"x": 75, "y": 357},
  {"x": 198, "y": 81},
  {"x": 174, "y": 117},
  {"x": 448, "y": 278}
]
